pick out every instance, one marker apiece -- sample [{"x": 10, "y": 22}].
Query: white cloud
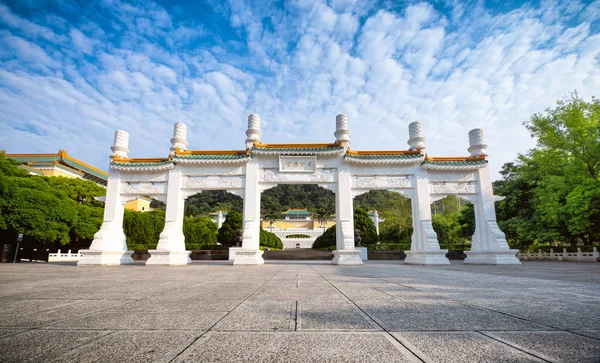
[{"x": 454, "y": 71}]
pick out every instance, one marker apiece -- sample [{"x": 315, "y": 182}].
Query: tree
[
  {"x": 362, "y": 222},
  {"x": 212, "y": 200},
  {"x": 552, "y": 192},
  {"x": 268, "y": 239},
  {"x": 199, "y": 231},
  {"x": 573, "y": 130},
  {"x": 365, "y": 224},
  {"x": 29, "y": 205},
  {"x": 227, "y": 235},
  {"x": 326, "y": 240}
]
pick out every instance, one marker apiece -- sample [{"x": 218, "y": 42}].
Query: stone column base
[
  {"x": 506, "y": 257},
  {"x": 364, "y": 254},
  {"x": 426, "y": 258},
  {"x": 248, "y": 257},
  {"x": 105, "y": 258},
  {"x": 169, "y": 258},
  {"x": 232, "y": 252},
  {"x": 347, "y": 257}
]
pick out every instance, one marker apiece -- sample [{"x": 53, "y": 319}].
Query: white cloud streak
[{"x": 70, "y": 85}]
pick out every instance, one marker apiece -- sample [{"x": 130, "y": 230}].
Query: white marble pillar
[
  {"x": 250, "y": 254},
  {"x": 425, "y": 248},
  {"x": 345, "y": 253},
  {"x": 109, "y": 246},
  {"x": 488, "y": 245},
  {"x": 171, "y": 246}
]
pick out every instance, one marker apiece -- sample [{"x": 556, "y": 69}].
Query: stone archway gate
[{"x": 335, "y": 166}]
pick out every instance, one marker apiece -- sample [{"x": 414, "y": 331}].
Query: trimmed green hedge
[{"x": 270, "y": 240}]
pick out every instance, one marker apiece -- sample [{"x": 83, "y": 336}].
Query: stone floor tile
[
  {"x": 341, "y": 316},
  {"x": 459, "y": 320},
  {"x": 466, "y": 347},
  {"x": 41, "y": 345},
  {"x": 133, "y": 346},
  {"x": 184, "y": 320},
  {"x": 296, "y": 347},
  {"x": 261, "y": 316},
  {"x": 555, "y": 346}
]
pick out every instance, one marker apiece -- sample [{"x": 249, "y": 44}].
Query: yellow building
[
  {"x": 62, "y": 164},
  {"x": 139, "y": 205},
  {"x": 297, "y": 219}
]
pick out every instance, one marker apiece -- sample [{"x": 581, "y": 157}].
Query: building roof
[
  {"x": 297, "y": 212},
  {"x": 216, "y": 155},
  {"x": 223, "y": 212},
  {"x": 454, "y": 163},
  {"x": 297, "y": 149},
  {"x": 65, "y": 160},
  {"x": 378, "y": 156}
]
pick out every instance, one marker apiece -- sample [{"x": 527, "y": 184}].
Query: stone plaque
[{"x": 297, "y": 164}]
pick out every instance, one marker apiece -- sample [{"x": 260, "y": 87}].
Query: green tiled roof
[
  {"x": 85, "y": 169},
  {"x": 31, "y": 170},
  {"x": 297, "y": 212},
  {"x": 296, "y": 149},
  {"x": 456, "y": 163},
  {"x": 384, "y": 156},
  {"x": 137, "y": 163},
  {"x": 213, "y": 156}
]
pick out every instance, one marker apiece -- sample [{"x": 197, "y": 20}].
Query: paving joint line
[
  {"x": 372, "y": 319},
  {"x": 512, "y": 346},
  {"x": 478, "y": 306},
  {"x": 223, "y": 317}
]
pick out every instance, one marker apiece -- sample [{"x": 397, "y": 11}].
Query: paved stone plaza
[{"x": 380, "y": 312}]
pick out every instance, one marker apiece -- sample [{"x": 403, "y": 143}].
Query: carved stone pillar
[
  {"x": 171, "y": 246},
  {"x": 489, "y": 244},
  {"x": 424, "y": 249},
  {"x": 345, "y": 253},
  {"x": 250, "y": 254},
  {"x": 109, "y": 246}
]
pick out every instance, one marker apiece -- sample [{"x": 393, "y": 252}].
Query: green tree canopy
[
  {"x": 553, "y": 192},
  {"x": 227, "y": 235},
  {"x": 199, "y": 231}
]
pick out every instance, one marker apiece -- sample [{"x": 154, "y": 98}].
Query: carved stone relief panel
[
  {"x": 211, "y": 171},
  {"x": 381, "y": 182},
  {"x": 144, "y": 188},
  {"x": 144, "y": 177},
  {"x": 319, "y": 176},
  {"x": 451, "y": 176},
  {"x": 452, "y": 187},
  {"x": 213, "y": 182}
]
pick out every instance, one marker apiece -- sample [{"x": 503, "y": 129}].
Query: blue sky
[{"x": 73, "y": 72}]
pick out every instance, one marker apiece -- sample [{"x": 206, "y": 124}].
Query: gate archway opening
[{"x": 297, "y": 213}]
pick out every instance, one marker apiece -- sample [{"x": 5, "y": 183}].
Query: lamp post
[{"x": 19, "y": 239}]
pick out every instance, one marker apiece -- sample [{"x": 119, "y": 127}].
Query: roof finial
[
  {"x": 342, "y": 133},
  {"x": 120, "y": 146},
  {"x": 179, "y": 140},
  {"x": 416, "y": 140},
  {"x": 477, "y": 144},
  {"x": 253, "y": 133}
]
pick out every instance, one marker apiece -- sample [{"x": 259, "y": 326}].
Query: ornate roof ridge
[
  {"x": 184, "y": 153},
  {"x": 132, "y": 161},
  {"x": 429, "y": 158},
  {"x": 381, "y": 152},
  {"x": 258, "y": 144}
]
